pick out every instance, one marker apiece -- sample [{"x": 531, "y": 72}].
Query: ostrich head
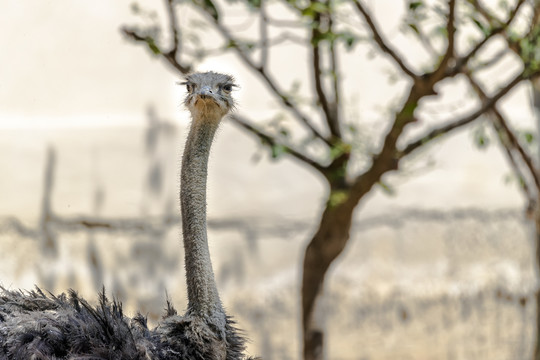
[{"x": 209, "y": 95}]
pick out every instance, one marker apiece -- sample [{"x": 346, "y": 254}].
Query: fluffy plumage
[{"x": 34, "y": 325}]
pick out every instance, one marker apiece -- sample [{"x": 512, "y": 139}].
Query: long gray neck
[{"x": 203, "y": 297}]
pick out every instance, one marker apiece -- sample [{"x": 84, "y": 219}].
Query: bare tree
[{"x": 331, "y": 30}]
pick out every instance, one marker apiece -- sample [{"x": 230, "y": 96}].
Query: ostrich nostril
[{"x": 206, "y": 90}]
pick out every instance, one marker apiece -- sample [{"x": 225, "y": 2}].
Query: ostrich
[{"x": 35, "y": 325}]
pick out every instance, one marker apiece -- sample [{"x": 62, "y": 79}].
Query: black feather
[{"x": 37, "y": 326}]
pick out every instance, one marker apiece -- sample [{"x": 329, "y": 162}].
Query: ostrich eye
[
  {"x": 227, "y": 87},
  {"x": 189, "y": 87}
]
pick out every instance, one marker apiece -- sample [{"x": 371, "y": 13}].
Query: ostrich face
[{"x": 209, "y": 94}]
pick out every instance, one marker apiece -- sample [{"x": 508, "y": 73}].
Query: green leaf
[
  {"x": 481, "y": 139},
  {"x": 352, "y": 129},
  {"x": 242, "y": 44},
  {"x": 529, "y": 137},
  {"x": 349, "y": 38},
  {"x": 337, "y": 197},
  {"x": 339, "y": 149},
  {"x": 415, "y": 5},
  {"x": 209, "y": 7},
  {"x": 503, "y": 4},
  {"x": 388, "y": 190},
  {"x": 284, "y": 132},
  {"x": 319, "y": 7},
  {"x": 255, "y": 3},
  {"x": 485, "y": 30},
  {"x": 231, "y": 44},
  {"x": 522, "y": 182},
  {"x": 278, "y": 150},
  {"x": 323, "y": 36},
  {"x": 441, "y": 31},
  {"x": 414, "y": 28},
  {"x": 152, "y": 45},
  {"x": 314, "y": 8}
]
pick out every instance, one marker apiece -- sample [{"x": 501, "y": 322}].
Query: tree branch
[
  {"x": 501, "y": 125},
  {"x": 424, "y": 40},
  {"x": 492, "y": 19},
  {"x": 276, "y": 40},
  {"x": 174, "y": 26},
  {"x": 487, "y": 63},
  {"x": 496, "y": 28},
  {"x": 439, "y": 73},
  {"x": 334, "y": 105},
  {"x": 271, "y": 141},
  {"x": 450, "y": 126},
  {"x": 263, "y": 30},
  {"x": 381, "y": 42},
  {"x": 173, "y": 56},
  {"x": 386, "y": 160},
  {"x": 535, "y": 21},
  {"x": 170, "y": 57},
  {"x": 261, "y": 71},
  {"x": 332, "y": 122},
  {"x": 517, "y": 170},
  {"x": 335, "y": 75}
]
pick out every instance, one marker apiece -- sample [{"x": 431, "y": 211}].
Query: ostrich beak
[
  {"x": 206, "y": 91},
  {"x": 206, "y": 98}
]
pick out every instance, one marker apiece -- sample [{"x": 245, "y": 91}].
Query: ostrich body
[{"x": 37, "y": 326}]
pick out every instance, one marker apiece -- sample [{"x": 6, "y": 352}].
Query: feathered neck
[{"x": 203, "y": 296}]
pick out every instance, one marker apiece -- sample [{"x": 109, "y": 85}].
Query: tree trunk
[{"x": 325, "y": 246}]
